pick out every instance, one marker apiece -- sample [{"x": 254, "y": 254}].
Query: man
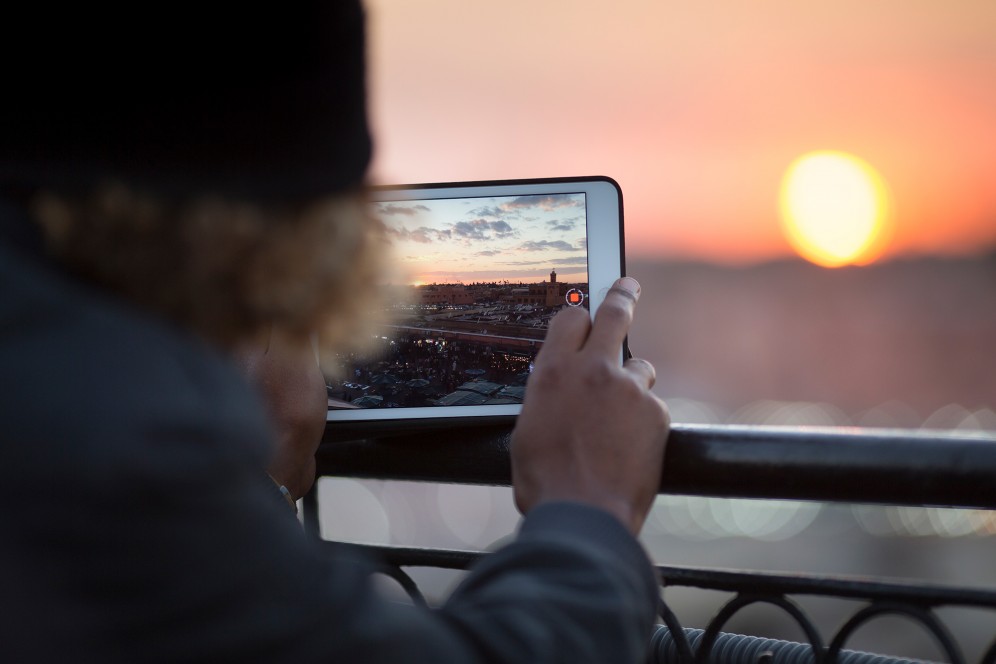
[{"x": 182, "y": 183}]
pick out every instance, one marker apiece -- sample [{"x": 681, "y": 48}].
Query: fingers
[
  {"x": 571, "y": 329},
  {"x": 567, "y": 333},
  {"x": 613, "y": 318},
  {"x": 642, "y": 372}
]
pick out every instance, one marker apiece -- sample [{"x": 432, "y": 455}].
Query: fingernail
[{"x": 629, "y": 284}]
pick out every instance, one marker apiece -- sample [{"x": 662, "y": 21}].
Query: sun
[{"x": 835, "y": 209}]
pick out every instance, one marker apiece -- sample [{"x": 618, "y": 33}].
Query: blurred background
[{"x": 810, "y": 201}]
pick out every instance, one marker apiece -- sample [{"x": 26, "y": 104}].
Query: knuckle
[
  {"x": 598, "y": 372},
  {"x": 663, "y": 413},
  {"x": 616, "y": 311},
  {"x": 641, "y": 366},
  {"x": 631, "y": 390},
  {"x": 569, "y": 317}
]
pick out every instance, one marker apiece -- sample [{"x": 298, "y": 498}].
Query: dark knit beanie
[{"x": 258, "y": 101}]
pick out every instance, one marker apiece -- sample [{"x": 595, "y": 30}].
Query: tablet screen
[
  {"x": 478, "y": 272},
  {"x": 480, "y": 280}
]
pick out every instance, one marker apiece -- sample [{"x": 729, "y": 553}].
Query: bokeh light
[
  {"x": 698, "y": 518},
  {"x": 351, "y": 512},
  {"x": 466, "y": 511}
]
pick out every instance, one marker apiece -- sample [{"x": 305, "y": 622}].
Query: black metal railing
[{"x": 851, "y": 466}]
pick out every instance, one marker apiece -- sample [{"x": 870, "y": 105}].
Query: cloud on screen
[
  {"x": 546, "y": 245},
  {"x": 548, "y": 202},
  {"x": 422, "y": 234},
  {"x": 482, "y": 229},
  {"x": 393, "y": 210}
]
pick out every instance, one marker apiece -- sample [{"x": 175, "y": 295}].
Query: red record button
[{"x": 575, "y": 298}]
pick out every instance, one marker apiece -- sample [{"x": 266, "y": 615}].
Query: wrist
[{"x": 284, "y": 492}]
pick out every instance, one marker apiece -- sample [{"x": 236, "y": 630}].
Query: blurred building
[{"x": 444, "y": 294}]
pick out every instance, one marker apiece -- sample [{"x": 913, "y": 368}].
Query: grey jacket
[{"x": 135, "y": 524}]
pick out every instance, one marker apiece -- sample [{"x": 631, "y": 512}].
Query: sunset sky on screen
[
  {"x": 493, "y": 239},
  {"x": 697, "y": 109}
]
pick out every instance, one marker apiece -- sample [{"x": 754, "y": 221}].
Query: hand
[
  {"x": 590, "y": 430},
  {"x": 287, "y": 376}
]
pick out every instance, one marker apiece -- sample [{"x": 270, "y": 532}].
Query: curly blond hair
[{"x": 228, "y": 270}]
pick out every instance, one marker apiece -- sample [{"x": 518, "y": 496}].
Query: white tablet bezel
[{"x": 604, "y": 221}]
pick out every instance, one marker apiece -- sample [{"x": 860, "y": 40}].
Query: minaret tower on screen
[{"x": 553, "y": 295}]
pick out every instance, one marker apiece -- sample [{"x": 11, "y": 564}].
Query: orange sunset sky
[{"x": 698, "y": 108}]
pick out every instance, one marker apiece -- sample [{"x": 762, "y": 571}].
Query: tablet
[{"x": 481, "y": 268}]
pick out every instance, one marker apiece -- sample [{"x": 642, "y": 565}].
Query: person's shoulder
[{"x": 89, "y": 379}]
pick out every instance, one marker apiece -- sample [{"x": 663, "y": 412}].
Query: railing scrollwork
[{"x": 730, "y": 462}]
